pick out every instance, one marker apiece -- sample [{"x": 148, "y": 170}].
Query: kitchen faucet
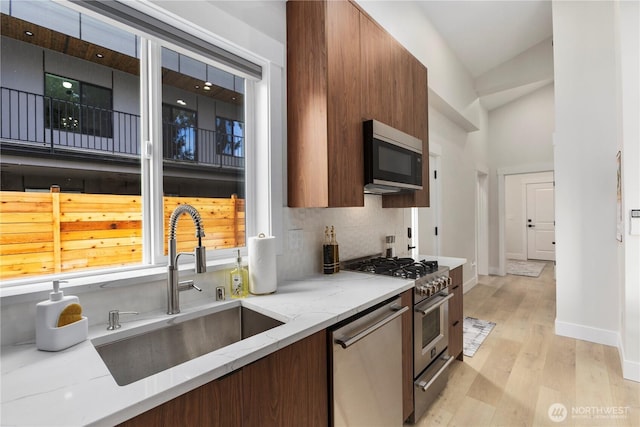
[{"x": 174, "y": 287}]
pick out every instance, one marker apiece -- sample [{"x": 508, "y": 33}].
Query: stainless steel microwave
[{"x": 392, "y": 159}]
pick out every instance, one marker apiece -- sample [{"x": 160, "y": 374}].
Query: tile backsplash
[{"x": 359, "y": 232}]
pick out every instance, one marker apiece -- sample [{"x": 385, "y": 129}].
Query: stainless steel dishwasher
[{"x": 366, "y": 378}]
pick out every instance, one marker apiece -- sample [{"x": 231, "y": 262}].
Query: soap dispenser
[
  {"x": 239, "y": 278},
  {"x": 59, "y": 321}
]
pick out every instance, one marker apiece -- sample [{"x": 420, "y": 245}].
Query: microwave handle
[{"x": 426, "y": 310}]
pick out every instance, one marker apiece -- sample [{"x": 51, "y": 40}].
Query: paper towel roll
[{"x": 262, "y": 265}]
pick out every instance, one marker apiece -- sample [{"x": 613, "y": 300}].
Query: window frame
[{"x": 257, "y": 98}]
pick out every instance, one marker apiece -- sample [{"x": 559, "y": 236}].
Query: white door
[
  {"x": 428, "y": 217},
  {"x": 540, "y": 222}
]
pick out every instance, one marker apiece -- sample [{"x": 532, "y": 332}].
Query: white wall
[
  {"x": 457, "y": 176},
  {"x": 596, "y": 114},
  {"x": 520, "y": 139}
]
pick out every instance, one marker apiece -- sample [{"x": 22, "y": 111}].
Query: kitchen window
[{"x": 134, "y": 134}]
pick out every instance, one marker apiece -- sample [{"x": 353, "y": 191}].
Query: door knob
[{"x": 530, "y": 225}]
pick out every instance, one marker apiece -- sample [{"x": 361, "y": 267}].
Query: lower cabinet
[
  {"x": 288, "y": 387},
  {"x": 218, "y": 403},
  {"x": 456, "y": 316}
]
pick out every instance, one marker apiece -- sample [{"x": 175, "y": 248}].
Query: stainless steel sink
[{"x": 133, "y": 358}]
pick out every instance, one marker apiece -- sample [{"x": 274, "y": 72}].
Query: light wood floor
[{"x": 523, "y": 368}]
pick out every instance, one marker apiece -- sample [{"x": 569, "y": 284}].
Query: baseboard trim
[
  {"x": 469, "y": 284},
  {"x": 587, "y": 333},
  {"x": 630, "y": 368},
  {"x": 516, "y": 256},
  {"x": 494, "y": 271}
]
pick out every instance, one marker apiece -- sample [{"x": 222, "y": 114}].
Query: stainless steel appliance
[
  {"x": 366, "y": 354},
  {"x": 392, "y": 159},
  {"x": 430, "y": 327}
]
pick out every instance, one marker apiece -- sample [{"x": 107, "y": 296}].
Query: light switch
[{"x": 635, "y": 222}]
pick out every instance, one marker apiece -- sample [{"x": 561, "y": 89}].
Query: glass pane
[
  {"x": 70, "y": 183},
  {"x": 203, "y": 150}
]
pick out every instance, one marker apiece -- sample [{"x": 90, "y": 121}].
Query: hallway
[{"x": 523, "y": 368}]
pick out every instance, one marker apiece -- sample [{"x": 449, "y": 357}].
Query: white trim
[
  {"x": 247, "y": 43},
  {"x": 587, "y": 333},
  {"x": 469, "y": 284},
  {"x": 630, "y": 368},
  {"x": 501, "y": 172},
  {"x": 515, "y": 255},
  {"x": 435, "y": 150},
  {"x": 482, "y": 224}
]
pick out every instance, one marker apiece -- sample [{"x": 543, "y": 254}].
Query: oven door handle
[
  {"x": 426, "y": 310},
  {"x": 349, "y": 341},
  {"x": 424, "y": 385}
]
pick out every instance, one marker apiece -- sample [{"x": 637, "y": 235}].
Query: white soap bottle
[{"x": 49, "y": 336}]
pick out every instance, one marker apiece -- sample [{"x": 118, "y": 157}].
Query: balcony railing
[{"x": 28, "y": 119}]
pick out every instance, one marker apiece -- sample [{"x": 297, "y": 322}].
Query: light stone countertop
[
  {"x": 73, "y": 387},
  {"x": 450, "y": 262}
]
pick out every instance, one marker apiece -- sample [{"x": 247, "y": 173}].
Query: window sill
[{"x": 20, "y": 293}]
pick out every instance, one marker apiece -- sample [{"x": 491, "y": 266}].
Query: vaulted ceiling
[{"x": 505, "y": 45}]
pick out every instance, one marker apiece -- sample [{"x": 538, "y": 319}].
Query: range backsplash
[{"x": 359, "y": 232}]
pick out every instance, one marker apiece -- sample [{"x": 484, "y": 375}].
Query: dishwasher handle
[{"x": 349, "y": 341}]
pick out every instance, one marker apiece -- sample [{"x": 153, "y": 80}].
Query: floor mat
[
  {"x": 474, "y": 333},
  {"x": 525, "y": 268}
]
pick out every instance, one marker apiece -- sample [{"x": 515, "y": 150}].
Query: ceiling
[{"x": 484, "y": 34}]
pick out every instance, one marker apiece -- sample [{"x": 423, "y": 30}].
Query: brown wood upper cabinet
[{"x": 342, "y": 69}]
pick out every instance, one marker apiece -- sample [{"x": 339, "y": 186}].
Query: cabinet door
[
  {"x": 344, "y": 140},
  {"x": 403, "y": 90},
  {"x": 218, "y": 403},
  {"x": 289, "y": 387},
  {"x": 456, "y": 316},
  {"x": 377, "y": 72},
  {"x": 407, "y": 355},
  {"x": 307, "y": 170},
  {"x": 415, "y": 119}
]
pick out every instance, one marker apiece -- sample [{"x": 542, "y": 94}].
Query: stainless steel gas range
[{"x": 430, "y": 321}]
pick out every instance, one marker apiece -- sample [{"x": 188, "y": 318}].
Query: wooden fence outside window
[{"x": 46, "y": 233}]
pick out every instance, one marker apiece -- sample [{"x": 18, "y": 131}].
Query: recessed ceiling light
[
  {"x": 99, "y": 55},
  {"x": 208, "y": 84},
  {"x": 197, "y": 86},
  {"x": 67, "y": 85},
  {"x": 181, "y": 102},
  {"x": 207, "y": 88},
  {"x": 29, "y": 33}
]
